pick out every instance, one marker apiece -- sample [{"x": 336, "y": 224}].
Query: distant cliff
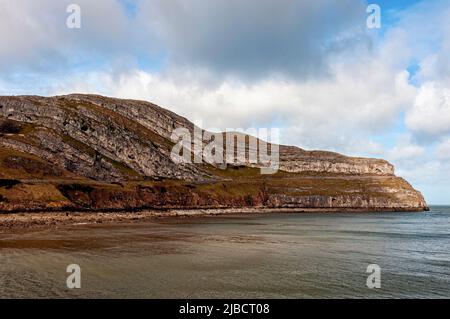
[{"x": 96, "y": 153}]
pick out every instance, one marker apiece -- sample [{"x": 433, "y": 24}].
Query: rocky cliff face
[{"x": 92, "y": 152}]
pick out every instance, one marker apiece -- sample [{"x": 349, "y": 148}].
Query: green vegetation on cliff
[{"x": 96, "y": 153}]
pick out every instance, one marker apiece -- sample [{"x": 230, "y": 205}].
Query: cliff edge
[{"x": 88, "y": 152}]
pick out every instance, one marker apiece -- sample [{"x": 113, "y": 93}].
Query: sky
[{"x": 311, "y": 68}]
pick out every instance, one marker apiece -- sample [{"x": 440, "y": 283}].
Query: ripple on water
[{"x": 270, "y": 255}]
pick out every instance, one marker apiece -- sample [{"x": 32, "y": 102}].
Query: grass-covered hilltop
[{"x": 88, "y": 152}]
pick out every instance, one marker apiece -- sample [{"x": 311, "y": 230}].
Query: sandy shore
[
  {"x": 17, "y": 221},
  {"x": 22, "y": 221}
]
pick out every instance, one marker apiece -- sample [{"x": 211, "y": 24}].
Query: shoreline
[{"x": 14, "y": 221}]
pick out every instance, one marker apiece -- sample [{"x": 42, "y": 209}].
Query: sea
[{"x": 304, "y": 255}]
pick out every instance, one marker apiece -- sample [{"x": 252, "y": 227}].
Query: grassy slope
[{"x": 240, "y": 188}]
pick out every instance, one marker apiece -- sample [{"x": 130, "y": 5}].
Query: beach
[{"x": 37, "y": 220}]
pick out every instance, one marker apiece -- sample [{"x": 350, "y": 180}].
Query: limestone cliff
[{"x": 92, "y": 152}]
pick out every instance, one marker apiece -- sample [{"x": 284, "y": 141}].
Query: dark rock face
[{"x": 92, "y": 152}]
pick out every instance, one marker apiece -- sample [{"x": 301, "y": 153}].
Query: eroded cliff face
[{"x": 91, "y": 152}]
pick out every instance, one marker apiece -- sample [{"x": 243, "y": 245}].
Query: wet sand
[{"x": 36, "y": 220}]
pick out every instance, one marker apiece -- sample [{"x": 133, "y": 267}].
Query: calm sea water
[{"x": 277, "y": 255}]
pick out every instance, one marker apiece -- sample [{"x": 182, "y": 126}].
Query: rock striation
[{"x": 96, "y": 153}]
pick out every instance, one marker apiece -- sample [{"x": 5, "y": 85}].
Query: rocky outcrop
[
  {"x": 296, "y": 160},
  {"x": 119, "y": 151},
  {"x": 111, "y": 135}
]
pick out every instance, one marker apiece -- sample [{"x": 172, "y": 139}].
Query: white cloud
[
  {"x": 250, "y": 38},
  {"x": 365, "y": 97},
  {"x": 405, "y": 151},
  {"x": 429, "y": 116},
  {"x": 430, "y": 113},
  {"x": 443, "y": 150},
  {"x": 35, "y": 36},
  {"x": 256, "y": 38}
]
